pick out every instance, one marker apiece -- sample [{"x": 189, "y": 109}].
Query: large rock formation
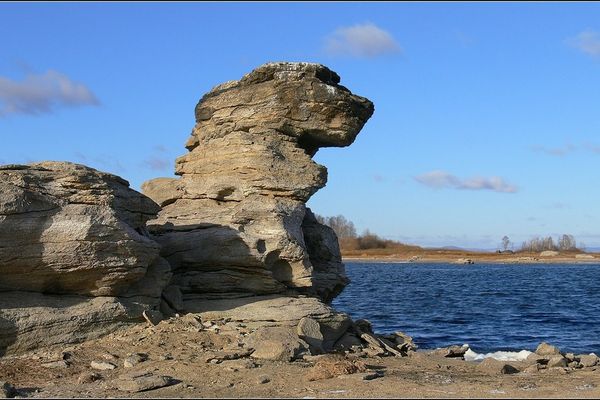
[
  {"x": 76, "y": 260},
  {"x": 235, "y": 224}
]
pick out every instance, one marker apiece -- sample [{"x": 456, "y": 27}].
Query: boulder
[
  {"x": 275, "y": 343},
  {"x": 235, "y": 223},
  {"x": 309, "y": 330},
  {"x": 334, "y": 365},
  {"x": 76, "y": 259},
  {"x": 588, "y": 360},
  {"x": 557, "y": 361},
  {"x": 545, "y": 349}
]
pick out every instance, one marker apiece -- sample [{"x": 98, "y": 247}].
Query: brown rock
[
  {"x": 142, "y": 383},
  {"x": 497, "y": 367},
  {"x": 545, "y": 349},
  {"x": 275, "y": 343}
]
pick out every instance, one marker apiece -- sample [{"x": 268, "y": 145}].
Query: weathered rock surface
[
  {"x": 545, "y": 349},
  {"x": 235, "y": 224},
  {"x": 75, "y": 258}
]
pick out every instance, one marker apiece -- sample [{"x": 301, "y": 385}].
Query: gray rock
[
  {"x": 172, "y": 295},
  {"x": 545, "y": 349},
  {"x": 309, "y": 330},
  {"x": 88, "y": 377},
  {"x": 275, "y": 343},
  {"x": 102, "y": 365},
  {"x": 347, "y": 341},
  {"x": 454, "y": 351},
  {"x": 557, "y": 361},
  {"x": 60, "y": 364},
  {"x": 142, "y": 383},
  {"x": 73, "y": 242},
  {"x": 7, "y": 390},
  {"x": 588, "y": 360},
  {"x": 134, "y": 359},
  {"x": 263, "y": 379}
]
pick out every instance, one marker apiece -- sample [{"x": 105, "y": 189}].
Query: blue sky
[{"x": 486, "y": 115}]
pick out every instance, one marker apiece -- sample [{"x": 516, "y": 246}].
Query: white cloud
[
  {"x": 588, "y": 42},
  {"x": 42, "y": 93},
  {"x": 441, "y": 179},
  {"x": 362, "y": 40}
]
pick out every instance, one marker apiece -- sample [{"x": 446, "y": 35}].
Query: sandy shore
[{"x": 202, "y": 364}]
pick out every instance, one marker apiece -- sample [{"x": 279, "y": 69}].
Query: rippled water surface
[{"x": 489, "y": 306}]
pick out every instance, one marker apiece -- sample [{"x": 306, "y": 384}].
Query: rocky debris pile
[
  {"x": 235, "y": 223},
  {"x": 76, "y": 260},
  {"x": 547, "y": 356}
]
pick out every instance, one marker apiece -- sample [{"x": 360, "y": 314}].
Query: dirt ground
[{"x": 200, "y": 363}]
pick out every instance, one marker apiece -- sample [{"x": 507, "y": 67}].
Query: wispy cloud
[
  {"x": 101, "y": 162},
  {"x": 555, "y": 151},
  {"x": 157, "y": 163},
  {"x": 587, "y": 41},
  {"x": 442, "y": 179},
  {"x": 42, "y": 93},
  {"x": 361, "y": 40},
  {"x": 594, "y": 148}
]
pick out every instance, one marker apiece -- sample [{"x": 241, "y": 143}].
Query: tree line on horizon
[{"x": 350, "y": 240}]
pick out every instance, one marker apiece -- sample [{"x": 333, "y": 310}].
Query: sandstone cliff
[
  {"x": 76, "y": 260},
  {"x": 235, "y": 223}
]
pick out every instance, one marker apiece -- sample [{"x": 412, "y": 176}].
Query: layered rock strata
[
  {"x": 235, "y": 223},
  {"x": 76, "y": 260}
]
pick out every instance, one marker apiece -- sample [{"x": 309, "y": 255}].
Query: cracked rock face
[
  {"x": 75, "y": 257},
  {"x": 235, "y": 223}
]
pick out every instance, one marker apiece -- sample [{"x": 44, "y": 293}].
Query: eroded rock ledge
[
  {"x": 75, "y": 257},
  {"x": 235, "y": 223}
]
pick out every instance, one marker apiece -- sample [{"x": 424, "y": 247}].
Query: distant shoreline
[{"x": 489, "y": 258}]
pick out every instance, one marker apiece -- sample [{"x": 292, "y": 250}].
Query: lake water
[{"x": 491, "y": 307}]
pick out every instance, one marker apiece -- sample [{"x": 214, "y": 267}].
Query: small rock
[
  {"x": 102, "y": 365},
  {"x": 571, "y": 357},
  {"x": 134, "y": 359},
  {"x": 373, "y": 375},
  {"x": 574, "y": 365},
  {"x": 545, "y": 349},
  {"x": 152, "y": 317},
  {"x": 165, "y": 357},
  {"x": 110, "y": 356},
  {"x": 588, "y": 360},
  {"x": 56, "y": 364},
  {"x": 7, "y": 390},
  {"x": 263, "y": 379},
  {"x": 89, "y": 377},
  {"x": 142, "y": 383},
  {"x": 451, "y": 351},
  {"x": 557, "y": 361},
  {"x": 497, "y": 366}
]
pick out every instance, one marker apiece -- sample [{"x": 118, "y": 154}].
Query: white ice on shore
[{"x": 470, "y": 355}]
